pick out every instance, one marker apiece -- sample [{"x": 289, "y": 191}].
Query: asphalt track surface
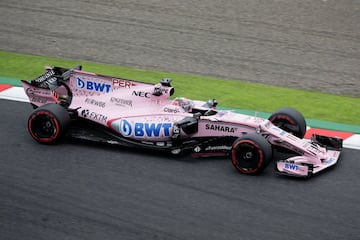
[
  {"x": 79, "y": 190},
  {"x": 312, "y": 44}
]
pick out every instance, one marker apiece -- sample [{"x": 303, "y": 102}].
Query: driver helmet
[{"x": 184, "y": 103}]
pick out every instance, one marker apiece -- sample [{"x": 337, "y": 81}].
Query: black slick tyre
[
  {"x": 251, "y": 153},
  {"x": 48, "y": 123},
  {"x": 289, "y": 120}
]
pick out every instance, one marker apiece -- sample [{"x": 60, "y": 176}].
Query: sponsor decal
[
  {"x": 141, "y": 94},
  {"x": 141, "y": 129},
  {"x": 37, "y": 91},
  {"x": 291, "y": 166},
  {"x": 38, "y": 99},
  {"x": 95, "y": 116},
  {"x": 93, "y": 86},
  {"x": 159, "y": 90},
  {"x": 293, "y": 137},
  {"x": 49, "y": 82},
  {"x": 276, "y": 129},
  {"x": 171, "y": 110},
  {"x": 220, "y": 128},
  {"x": 329, "y": 161},
  {"x": 164, "y": 90},
  {"x": 197, "y": 149},
  {"x": 95, "y": 102},
  {"x": 121, "y": 102},
  {"x": 121, "y": 83},
  {"x": 38, "y": 95},
  {"x": 45, "y": 76},
  {"x": 313, "y": 149},
  {"x": 216, "y": 148}
]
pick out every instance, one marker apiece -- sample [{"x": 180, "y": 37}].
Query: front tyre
[
  {"x": 48, "y": 123},
  {"x": 289, "y": 120},
  {"x": 251, "y": 153}
]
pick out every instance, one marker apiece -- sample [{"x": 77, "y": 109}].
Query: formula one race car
[{"x": 133, "y": 113}]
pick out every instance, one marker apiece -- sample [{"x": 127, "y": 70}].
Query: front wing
[{"x": 302, "y": 166}]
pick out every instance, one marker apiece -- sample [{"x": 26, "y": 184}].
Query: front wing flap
[{"x": 335, "y": 143}]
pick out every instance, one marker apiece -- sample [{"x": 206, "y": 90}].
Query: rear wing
[{"x": 53, "y": 76}]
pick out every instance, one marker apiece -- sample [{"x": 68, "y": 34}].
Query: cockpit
[{"x": 196, "y": 107}]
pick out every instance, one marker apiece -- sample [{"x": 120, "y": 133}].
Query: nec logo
[
  {"x": 140, "y": 129},
  {"x": 141, "y": 94},
  {"x": 93, "y": 86}
]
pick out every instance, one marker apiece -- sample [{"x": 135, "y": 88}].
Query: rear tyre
[
  {"x": 48, "y": 123},
  {"x": 251, "y": 153},
  {"x": 289, "y": 120}
]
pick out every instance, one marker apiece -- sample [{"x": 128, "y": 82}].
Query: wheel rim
[
  {"x": 43, "y": 127},
  {"x": 247, "y": 156}
]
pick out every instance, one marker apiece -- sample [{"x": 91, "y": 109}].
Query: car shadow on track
[{"x": 183, "y": 158}]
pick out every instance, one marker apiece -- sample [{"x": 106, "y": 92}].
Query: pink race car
[{"x": 133, "y": 113}]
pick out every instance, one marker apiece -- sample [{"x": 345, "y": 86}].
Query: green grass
[{"x": 229, "y": 93}]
